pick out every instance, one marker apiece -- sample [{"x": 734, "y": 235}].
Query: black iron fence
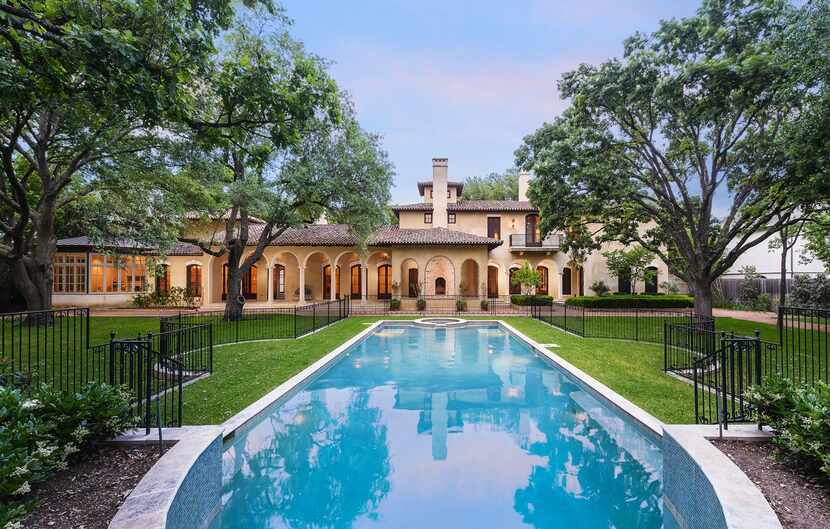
[
  {"x": 642, "y": 325},
  {"x": 263, "y": 323},
  {"x": 805, "y": 339}
]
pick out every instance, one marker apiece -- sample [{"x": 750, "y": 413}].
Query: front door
[
  {"x": 492, "y": 282},
  {"x": 413, "y": 282}
]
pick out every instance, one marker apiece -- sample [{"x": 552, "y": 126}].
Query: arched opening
[
  {"x": 651, "y": 280},
  {"x": 410, "y": 284},
  {"x": 384, "y": 281},
  {"x": 440, "y": 267},
  {"x": 194, "y": 280},
  {"x": 279, "y": 281},
  {"x": 624, "y": 283},
  {"x": 440, "y": 286},
  {"x": 356, "y": 281},
  {"x": 566, "y": 281},
  {"x": 316, "y": 286},
  {"x": 533, "y": 235},
  {"x": 469, "y": 278},
  {"x": 514, "y": 288},
  {"x": 492, "y": 281},
  {"x": 163, "y": 279},
  {"x": 249, "y": 282},
  {"x": 543, "y": 287}
]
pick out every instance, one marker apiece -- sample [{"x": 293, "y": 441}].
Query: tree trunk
[
  {"x": 782, "y": 294},
  {"x": 234, "y": 303},
  {"x": 702, "y": 289}
]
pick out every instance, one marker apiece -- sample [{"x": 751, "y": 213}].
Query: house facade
[{"x": 442, "y": 247}]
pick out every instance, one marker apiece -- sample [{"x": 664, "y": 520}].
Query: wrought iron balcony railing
[{"x": 523, "y": 241}]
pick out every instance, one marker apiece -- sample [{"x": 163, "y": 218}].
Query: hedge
[
  {"x": 640, "y": 301},
  {"x": 538, "y": 299}
]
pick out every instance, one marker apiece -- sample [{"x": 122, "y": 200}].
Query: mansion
[{"x": 442, "y": 246}]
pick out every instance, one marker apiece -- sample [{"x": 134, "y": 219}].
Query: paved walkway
[{"x": 759, "y": 317}]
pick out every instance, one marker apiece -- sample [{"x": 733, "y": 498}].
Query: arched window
[
  {"x": 651, "y": 280},
  {"x": 533, "y": 235},
  {"x": 517, "y": 288},
  {"x": 163, "y": 279},
  {"x": 624, "y": 283},
  {"x": 194, "y": 279},
  {"x": 566, "y": 281},
  {"x": 279, "y": 281},
  {"x": 356, "y": 281},
  {"x": 440, "y": 286},
  {"x": 384, "y": 281},
  {"x": 543, "y": 280}
]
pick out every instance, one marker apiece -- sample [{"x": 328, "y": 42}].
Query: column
[
  {"x": 333, "y": 281},
  {"x": 270, "y": 279},
  {"x": 301, "y": 301}
]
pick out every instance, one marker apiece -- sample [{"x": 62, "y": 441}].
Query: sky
[{"x": 460, "y": 79}]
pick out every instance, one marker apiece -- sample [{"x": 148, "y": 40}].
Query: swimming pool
[{"x": 461, "y": 427}]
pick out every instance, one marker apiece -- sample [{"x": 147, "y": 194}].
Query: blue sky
[{"x": 465, "y": 80}]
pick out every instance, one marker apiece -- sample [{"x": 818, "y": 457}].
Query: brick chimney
[
  {"x": 524, "y": 183},
  {"x": 439, "y": 192}
]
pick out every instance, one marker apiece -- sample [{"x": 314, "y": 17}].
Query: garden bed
[
  {"x": 88, "y": 494},
  {"x": 801, "y": 501}
]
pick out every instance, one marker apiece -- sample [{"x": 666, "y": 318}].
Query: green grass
[{"x": 245, "y": 372}]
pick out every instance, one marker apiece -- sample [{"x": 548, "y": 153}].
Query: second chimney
[
  {"x": 439, "y": 192},
  {"x": 524, "y": 183}
]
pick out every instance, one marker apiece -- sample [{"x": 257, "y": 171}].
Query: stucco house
[{"x": 443, "y": 246}]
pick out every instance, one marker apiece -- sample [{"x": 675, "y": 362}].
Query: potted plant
[
  {"x": 460, "y": 305},
  {"x": 395, "y": 304},
  {"x": 485, "y": 304},
  {"x": 421, "y": 304}
]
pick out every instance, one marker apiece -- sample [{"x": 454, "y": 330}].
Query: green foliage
[
  {"x": 631, "y": 263},
  {"x": 810, "y": 291},
  {"x": 626, "y": 301},
  {"x": 817, "y": 240},
  {"x": 600, "y": 288},
  {"x": 395, "y": 304},
  {"x": 42, "y": 432},
  {"x": 460, "y": 305},
  {"x": 528, "y": 277},
  {"x": 670, "y": 287},
  {"x": 421, "y": 304},
  {"x": 800, "y": 416},
  {"x": 174, "y": 297},
  {"x": 726, "y": 103},
  {"x": 531, "y": 299},
  {"x": 485, "y": 304},
  {"x": 494, "y": 186}
]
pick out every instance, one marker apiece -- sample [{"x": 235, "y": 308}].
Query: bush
[
  {"x": 421, "y": 304},
  {"x": 807, "y": 291},
  {"x": 41, "y": 433},
  {"x": 460, "y": 305},
  {"x": 631, "y": 301},
  {"x": 528, "y": 300},
  {"x": 485, "y": 304},
  {"x": 394, "y": 304},
  {"x": 800, "y": 416},
  {"x": 174, "y": 297},
  {"x": 670, "y": 287},
  {"x": 600, "y": 288}
]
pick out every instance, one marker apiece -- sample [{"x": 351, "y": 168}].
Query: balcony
[{"x": 520, "y": 242}]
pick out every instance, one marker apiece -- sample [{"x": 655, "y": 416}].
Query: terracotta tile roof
[
  {"x": 472, "y": 205},
  {"x": 315, "y": 235},
  {"x": 185, "y": 248},
  {"x": 86, "y": 243},
  {"x": 394, "y": 236},
  {"x": 424, "y": 185},
  {"x": 195, "y": 215}
]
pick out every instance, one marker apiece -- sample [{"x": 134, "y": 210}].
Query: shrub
[
  {"x": 485, "y": 304},
  {"x": 670, "y": 287},
  {"x": 394, "y": 304},
  {"x": 421, "y": 304},
  {"x": 528, "y": 300},
  {"x": 460, "y": 305},
  {"x": 173, "y": 297},
  {"x": 630, "y": 301},
  {"x": 800, "y": 416},
  {"x": 807, "y": 291},
  {"x": 41, "y": 433},
  {"x": 600, "y": 288}
]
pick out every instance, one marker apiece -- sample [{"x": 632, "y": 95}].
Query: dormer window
[{"x": 427, "y": 218}]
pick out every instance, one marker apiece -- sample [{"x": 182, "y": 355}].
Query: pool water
[{"x": 463, "y": 427}]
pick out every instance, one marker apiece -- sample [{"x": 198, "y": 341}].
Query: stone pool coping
[{"x": 152, "y": 501}]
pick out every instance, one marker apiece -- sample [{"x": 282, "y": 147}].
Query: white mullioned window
[
  {"x": 69, "y": 273},
  {"x": 117, "y": 273}
]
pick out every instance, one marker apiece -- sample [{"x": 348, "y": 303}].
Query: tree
[
  {"x": 82, "y": 87},
  {"x": 631, "y": 264},
  {"x": 527, "y": 277},
  {"x": 494, "y": 186},
  {"x": 275, "y": 141},
  {"x": 817, "y": 240},
  {"x": 712, "y": 108}
]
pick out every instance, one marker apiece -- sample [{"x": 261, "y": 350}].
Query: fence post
[
  {"x": 723, "y": 404},
  {"x": 112, "y": 358},
  {"x": 758, "y": 364},
  {"x": 148, "y": 378}
]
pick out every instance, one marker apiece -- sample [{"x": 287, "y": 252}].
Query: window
[
  {"x": 651, "y": 280},
  {"x": 566, "y": 281},
  {"x": 163, "y": 279},
  {"x": 450, "y": 218},
  {"x": 194, "y": 279},
  {"x": 384, "y": 281},
  {"x": 427, "y": 218},
  {"x": 327, "y": 282},
  {"x": 517, "y": 288},
  {"x": 624, "y": 283},
  {"x": 117, "y": 273},
  {"x": 533, "y": 236},
  {"x": 440, "y": 286},
  {"x": 356, "y": 281},
  {"x": 279, "y": 281},
  {"x": 543, "y": 282},
  {"x": 449, "y": 193},
  {"x": 492, "y": 282},
  {"x": 69, "y": 273},
  {"x": 494, "y": 227}
]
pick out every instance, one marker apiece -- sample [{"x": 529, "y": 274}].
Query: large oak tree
[{"x": 706, "y": 138}]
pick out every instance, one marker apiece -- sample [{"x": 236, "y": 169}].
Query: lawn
[{"x": 245, "y": 372}]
